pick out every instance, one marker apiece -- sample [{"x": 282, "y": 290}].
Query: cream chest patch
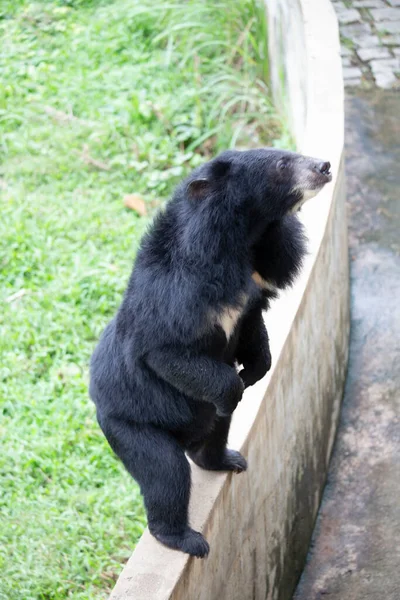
[
  {"x": 228, "y": 317},
  {"x": 263, "y": 283}
]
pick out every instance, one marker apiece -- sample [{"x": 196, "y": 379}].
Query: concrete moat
[{"x": 355, "y": 551}]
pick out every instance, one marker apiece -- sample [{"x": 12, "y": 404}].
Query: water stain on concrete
[{"x": 355, "y": 551}]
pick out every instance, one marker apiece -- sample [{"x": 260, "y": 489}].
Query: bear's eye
[{"x": 281, "y": 165}]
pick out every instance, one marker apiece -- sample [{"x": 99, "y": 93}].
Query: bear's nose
[{"x": 324, "y": 168}]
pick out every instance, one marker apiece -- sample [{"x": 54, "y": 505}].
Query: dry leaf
[{"x": 136, "y": 202}]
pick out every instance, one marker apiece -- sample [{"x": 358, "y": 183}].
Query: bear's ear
[
  {"x": 199, "y": 188},
  {"x": 220, "y": 168}
]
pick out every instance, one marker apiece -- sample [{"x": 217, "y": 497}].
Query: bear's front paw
[
  {"x": 234, "y": 461},
  {"x": 253, "y": 372},
  {"x": 230, "y": 398}
]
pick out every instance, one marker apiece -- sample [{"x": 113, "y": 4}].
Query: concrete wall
[
  {"x": 259, "y": 523},
  {"x": 288, "y": 62}
]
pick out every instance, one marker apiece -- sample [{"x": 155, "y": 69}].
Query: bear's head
[{"x": 269, "y": 182}]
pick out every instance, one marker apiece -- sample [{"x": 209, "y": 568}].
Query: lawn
[{"x": 98, "y": 99}]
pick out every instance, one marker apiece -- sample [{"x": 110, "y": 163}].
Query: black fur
[{"x": 163, "y": 375}]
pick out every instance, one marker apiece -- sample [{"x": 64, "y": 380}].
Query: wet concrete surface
[{"x": 355, "y": 551}]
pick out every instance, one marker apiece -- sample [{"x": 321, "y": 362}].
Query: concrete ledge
[{"x": 259, "y": 523}]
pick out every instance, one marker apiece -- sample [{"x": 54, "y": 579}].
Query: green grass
[{"x": 97, "y": 100}]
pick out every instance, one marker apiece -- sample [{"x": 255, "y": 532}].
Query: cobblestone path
[{"x": 370, "y": 35}]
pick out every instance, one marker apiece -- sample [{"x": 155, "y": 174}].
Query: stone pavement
[
  {"x": 370, "y": 35},
  {"x": 355, "y": 550}
]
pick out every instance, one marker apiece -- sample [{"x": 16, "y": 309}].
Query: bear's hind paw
[{"x": 190, "y": 541}]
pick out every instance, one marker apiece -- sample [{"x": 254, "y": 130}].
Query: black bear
[{"x": 164, "y": 375}]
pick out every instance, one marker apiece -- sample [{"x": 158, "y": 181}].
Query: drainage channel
[{"x": 355, "y": 551}]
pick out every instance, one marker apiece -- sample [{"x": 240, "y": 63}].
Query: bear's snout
[
  {"x": 324, "y": 168},
  {"x": 314, "y": 174},
  {"x": 310, "y": 176}
]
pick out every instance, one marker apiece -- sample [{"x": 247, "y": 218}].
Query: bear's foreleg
[
  {"x": 198, "y": 376},
  {"x": 253, "y": 348},
  {"x": 279, "y": 254}
]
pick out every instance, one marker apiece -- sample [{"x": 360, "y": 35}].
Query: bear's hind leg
[
  {"x": 213, "y": 454},
  {"x": 158, "y": 463}
]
